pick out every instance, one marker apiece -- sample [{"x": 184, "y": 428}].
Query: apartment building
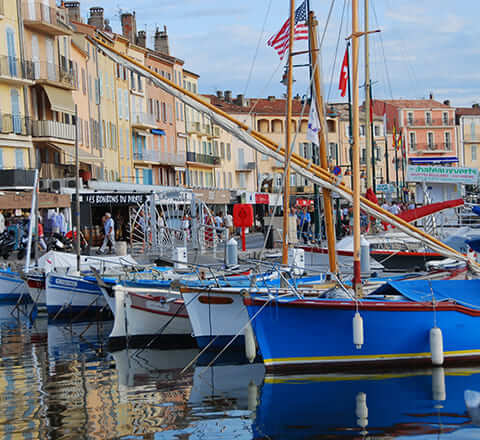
[
  {"x": 468, "y": 135},
  {"x": 16, "y": 76}
]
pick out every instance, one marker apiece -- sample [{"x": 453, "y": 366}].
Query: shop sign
[
  {"x": 436, "y": 174},
  {"x": 216, "y": 197},
  {"x": 261, "y": 199},
  {"x": 113, "y": 199},
  {"x": 386, "y": 188},
  {"x": 304, "y": 202}
]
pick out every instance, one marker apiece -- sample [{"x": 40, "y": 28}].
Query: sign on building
[
  {"x": 386, "y": 188},
  {"x": 436, "y": 174}
]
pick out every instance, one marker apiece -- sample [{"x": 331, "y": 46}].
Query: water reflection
[
  {"x": 422, "y": 404},
  {"x": 57, "y": 380}
]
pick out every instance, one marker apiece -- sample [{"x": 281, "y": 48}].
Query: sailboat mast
[
  {"x": 286, "y": 194},
  {"x": 357, "y": 282},
  {"x": 327, "y": 195},
  {"x": 368, "y": 136}
]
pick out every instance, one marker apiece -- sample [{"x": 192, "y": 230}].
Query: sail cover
[
  {"x": 463, "y": 292},
  {"x": 245, "y": 135}
]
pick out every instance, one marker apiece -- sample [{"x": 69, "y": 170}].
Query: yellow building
[
  {"x": 47, "y": 45},
  {"x": 468, "y": 127}
]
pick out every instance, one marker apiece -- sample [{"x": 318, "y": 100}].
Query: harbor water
[{"x": 58, "y": 380}]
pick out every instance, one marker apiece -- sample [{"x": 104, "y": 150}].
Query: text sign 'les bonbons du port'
[
  {"x": 113, "y": 199},
  {"x": 436, "y": 174}
]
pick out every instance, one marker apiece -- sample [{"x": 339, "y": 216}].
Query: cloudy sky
[{"x": 425, "y": 46}]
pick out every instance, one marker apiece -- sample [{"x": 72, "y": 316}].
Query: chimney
[
  {"x": 431, "y": 95},
  {"x": 240, "y": 100},
  {"x": 228, "y": 95},
  {"x": 142, "y": 39},
  {"x": 161, "y": 41},
  {"x": 220, "y": 94},
  {"x": 96, "y": 17},
  {"x": 447, "y": 102},
  {"x": 129, "y": 26},
  {"x": 271, "y": 98},
  {"x": 73, "y": 9},
  {"x": 475, "y": 105}
]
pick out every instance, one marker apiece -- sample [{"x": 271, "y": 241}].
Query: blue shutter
[
  {"x": 12, "y": 61},
  {"x": 16, "y": 120},
  {"x": 19, "y": 165},
  {"x": 1, "y": 158}
]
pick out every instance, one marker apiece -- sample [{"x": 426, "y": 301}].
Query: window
[
  {"x": 474, "y": 153},
  {"x": 428, "y": 118},
  {"x": 445, "y": 118},
  {"x": 204, "y": 147},
  {"x": 126, "y": 113},
  {"x": 84, "y": 82},
  {"x": 377, "y": 130},
  {"x": 229, "y": 152},
  {"x": 410, "y": 118},
  {"x": 472, "y": 130},
  {"x": 222, "y": 150},
  {"x": 347, "y": 130},
  {"x": 448, "y": 140},
  {"x": 19, "y": 165},
  {"x": 230, "y": 181},
  {"x": 362, "y": 130},
  {"x": 430, "y": 140},
  {"x": 241, "y": 180},
  {"x": 120, "y": 113},
  {"x": 413, "y": 140}
]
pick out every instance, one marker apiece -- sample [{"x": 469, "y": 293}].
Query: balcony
[
  {"x": 194, "y": 127},
  {"x": 430, "y": 123},
  {"x": 15, "y": 125},
  {"x": 42, "y": 18},
  {"x": 52, "y": 130},
  {"x": 245, "y": 167},
  {"x": 16, "y": 72},
  {"x": 160, "y": 158},
  {"x": 143, "y": 121},
  {"x": 432, "y": 148},
  {"x": 52, "y": 74},
  {"x": 203, "y": 159}
]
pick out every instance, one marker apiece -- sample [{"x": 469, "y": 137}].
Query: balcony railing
[
  {"x": 143, "y": 120},
  {"x": 160, "y": 157},
  {"x": 53, "y": 129},
  {"x": 246, "y": 166},
  {"x": 50, "y": 72},
  {"x": 194, "y": 127},
  {"x": 15, "y": 68},
  {"x": 202, "y": 158},
  {"x": 15, "y": 124},
  {"x": 439, "y": 122},
  {"x": 43, "y": 18}
]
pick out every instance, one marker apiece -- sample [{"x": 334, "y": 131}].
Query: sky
[{"x": 425, "y": 46}]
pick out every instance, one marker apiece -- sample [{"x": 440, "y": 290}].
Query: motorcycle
[
  {"x": 57, "y": 242},
  {"x": 7, "y": 243}
]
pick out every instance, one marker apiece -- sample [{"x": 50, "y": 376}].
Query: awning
[
  {"x": 423, "y": 160},
  {"x": 60, "y": 100},
  {"x": 69, "y": 151},
  {"x": 86, "y": 157},
  {"x": 158, "y": 131}
]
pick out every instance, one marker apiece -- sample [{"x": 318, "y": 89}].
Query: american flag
[{"x": 280, "y": 41}]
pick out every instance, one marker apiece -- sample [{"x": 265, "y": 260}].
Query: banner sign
[
  {"x": 386, "y": 187},
  {"x": 436, "y": 174},
  {"x": 113, "y": 199}
]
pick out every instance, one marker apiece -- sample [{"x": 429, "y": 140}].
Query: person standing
[
  {"x": 228, "y": 222},
  {"x": 395, "y": 209},
  {"x": 2, "y": 223},
  {"x": 41, "y": 240},
  {"x": 109, "y": 239}
]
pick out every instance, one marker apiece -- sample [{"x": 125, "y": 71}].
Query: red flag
[
  {"x": 280, "y": 41},
  {"x": 342, "y": 86}
]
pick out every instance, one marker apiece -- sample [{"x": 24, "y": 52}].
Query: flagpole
[
  {"x": 357, "y": 281},
  {"x": 372, "y": 137},
  {"x": 386, "y": 146},
  {"x": 369, "y": 165},
  {"x": 403, "y": 163},
  {"x": 350, "y": 118},
  {"x": 286, "y": 196},
  {"x": 315, "y": 157}
]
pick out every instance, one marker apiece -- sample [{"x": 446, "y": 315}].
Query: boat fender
[
  {"x": 438, "y": 384},
  {"x": 358, "y": 331},
  {"x": 250, "y": 349},
  {"x": 436, "y": 346},
  {"x": 252, "y": 396},
  {"x": 361, "y": 410}
]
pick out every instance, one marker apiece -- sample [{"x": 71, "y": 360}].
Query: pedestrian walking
[{"x": 109, "y": 239}]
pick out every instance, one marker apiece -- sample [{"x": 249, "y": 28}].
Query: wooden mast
[
  {"x": 357, "y": 282},
  {"x": 327, "y": 196},
  {"x": 286, "y": 194}
]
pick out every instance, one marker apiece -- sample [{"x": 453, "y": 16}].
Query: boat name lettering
[{"x": 63, "y": 282}]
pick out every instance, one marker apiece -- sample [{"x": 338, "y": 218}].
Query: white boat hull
[
  {"x": 12, "y": 286},
  {"x": 157, "y": 319}
]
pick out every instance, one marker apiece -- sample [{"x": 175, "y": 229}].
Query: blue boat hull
[
  {"x": 316, "y": 334},
  {"x": 220, "y": 342}
]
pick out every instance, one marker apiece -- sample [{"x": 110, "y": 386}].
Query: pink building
[{"x": 427, "y": 127}]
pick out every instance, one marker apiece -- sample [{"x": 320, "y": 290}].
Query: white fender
[
  {"x": 438, "y": 384},
  {"x": 250, "y": 349},
  {"x": 119, "y": 319},
  {"x": 361, "y": 410},
  {"x": 436, "y": 346},
  {"x": 252, "y": 396},
  {"x": 358, "y": 330}
]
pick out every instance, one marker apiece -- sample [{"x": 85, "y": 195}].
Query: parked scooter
[{"x": 7, "y": 243}]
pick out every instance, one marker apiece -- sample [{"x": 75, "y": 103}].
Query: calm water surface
[{"x": 58, "y": 381}]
